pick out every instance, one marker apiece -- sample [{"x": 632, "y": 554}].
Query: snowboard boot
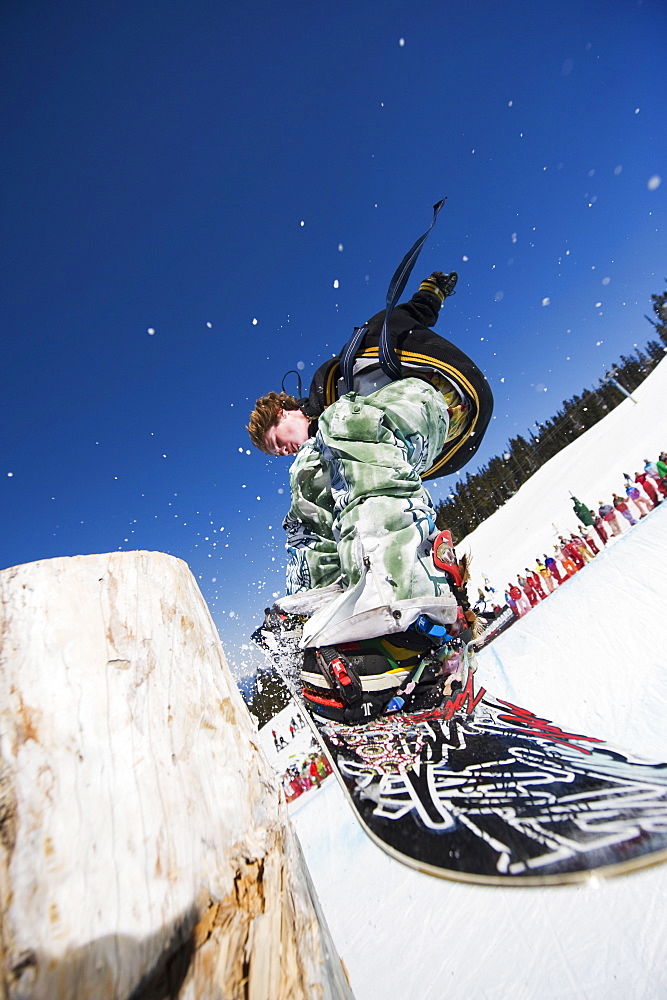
[{"x": 355, "y": 682}]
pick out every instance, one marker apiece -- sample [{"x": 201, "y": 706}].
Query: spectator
[
  {"x": 621, "y": 505},
  {"x": 576, "y": 543},
  {"x": 598, "y": 524},
  {"x": 608, "y": 514},
  {"x": 648, "y": 486},
  {"x": 552, "y": 566},
  {"x": 638, "y": 500},
  {"x": 590, "y": 541},
  {"x": 547, "y": 579},
  {"x": 519, "y": 598},
  {"x": 651, "y": 469},
  {"x": 571, "y": 552},
  {"x": 314, "y": 773},
  {"x": 569, "y": 568},
  {"x": 536, "y": 581},
  {"x": 527, "y": 588}
]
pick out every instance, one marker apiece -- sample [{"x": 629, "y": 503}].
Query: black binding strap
[
  {"x": 349, "y": 353},
  {"x": 389, "y": 362},
  {"x": 293, "y": 371}
]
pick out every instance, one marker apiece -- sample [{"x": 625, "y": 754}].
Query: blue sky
[{"x": 243, "y": 183}]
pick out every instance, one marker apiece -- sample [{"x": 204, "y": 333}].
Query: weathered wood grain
[{"x": 145, "y": 850}]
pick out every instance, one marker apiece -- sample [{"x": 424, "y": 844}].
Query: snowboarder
[{"x": 361, "y": 524}]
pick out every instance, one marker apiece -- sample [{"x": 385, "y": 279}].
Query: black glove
[{"x": 440, "y": 284}]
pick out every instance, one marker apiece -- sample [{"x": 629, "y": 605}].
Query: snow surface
[
  {"x": 298, "y": 745},
  {"x": 591, "y": 658},
  {"x": 591, "y": 468}
]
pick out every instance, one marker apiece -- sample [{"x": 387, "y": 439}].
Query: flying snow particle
[
  {"x": 599, "y": 343},
  {"x": 210, "y": 326},
  {"x": 336, "y": 283},
  {"x": 401, "y": 42},
  {"x": 340, "y": 247},
  {"x": 302, "y": 223},
  {"x": 506, "y": 456},
  {"x": 546, "y": 301},
  {"x": 617, "y": 170},
  {"x": 510, "y": 103},
  {"x": 499, "y": 296},
  {"x": 254, "y": 322},
  {"x": 281, "y": 490},
  {"x": 605, "y": 281},
  {"x": 150, "y": 331},
  {"x": 654, "y": 182},
  {"x": 10, "y": 474},
  {"x": 241, "y": 450},
  {"x": 248, "y": 452},
  {"x": 465, "y": 257},
  {"x": 514, "y": 237},
  {"x": 300, "y": 365},
  {"x": 597, "y": 305},
  {"x": 636, "y": 111}
]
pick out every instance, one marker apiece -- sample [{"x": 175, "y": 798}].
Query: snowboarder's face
[{"x": 287, "y": 436}]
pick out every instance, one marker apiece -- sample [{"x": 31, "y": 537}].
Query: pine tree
[
  {"x": 469, "y": 502},
  {"x": 660, "y": 310}
]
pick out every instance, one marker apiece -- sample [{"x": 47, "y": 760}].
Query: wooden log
[{"x": 145, "y": 849}]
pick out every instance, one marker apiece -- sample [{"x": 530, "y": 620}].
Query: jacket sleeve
[{"x": 422, "y": 309}]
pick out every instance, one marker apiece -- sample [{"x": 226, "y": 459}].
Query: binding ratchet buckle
[{"x": 340, "y": 674}]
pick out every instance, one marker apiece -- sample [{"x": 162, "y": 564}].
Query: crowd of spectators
[
  {"x": 310, "y": 773},
  {"x": 641, "y": 494}
]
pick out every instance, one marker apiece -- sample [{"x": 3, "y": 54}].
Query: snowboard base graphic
[{"x": 480, "y": 790}]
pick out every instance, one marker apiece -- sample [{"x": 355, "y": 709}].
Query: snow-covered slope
[
  {"x": 590, "y": 658},
  {"x": 593, "y": 655},
  {"x": 591, "y": 468}
]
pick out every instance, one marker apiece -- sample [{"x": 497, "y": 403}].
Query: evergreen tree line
[{"x": 476, "y": 497}]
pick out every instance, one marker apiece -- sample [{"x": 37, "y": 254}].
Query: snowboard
[{"x": 483, "y": 791}]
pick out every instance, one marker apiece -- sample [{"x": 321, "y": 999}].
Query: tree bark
[{"x": 145, "y": 850}]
